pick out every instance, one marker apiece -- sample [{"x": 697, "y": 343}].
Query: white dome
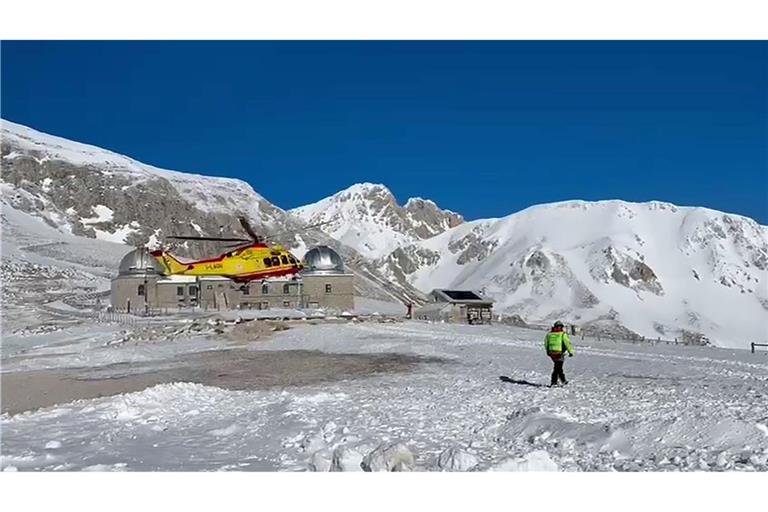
[
  {"x": 323, "y": 260},
  {"x": 139, "y": 261}
]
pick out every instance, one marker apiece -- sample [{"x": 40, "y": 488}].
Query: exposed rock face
[
  {"x": 428, "y": 220},
  {"x": 368, "y": 218},
  {"x": 610, "y": 265}
]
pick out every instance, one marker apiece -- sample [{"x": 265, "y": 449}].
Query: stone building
[
  {"x": 141, "y": 287},
  {"x": 459, "y": 306}
]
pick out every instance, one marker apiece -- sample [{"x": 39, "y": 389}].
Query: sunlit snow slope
[{"x": 655, "y": 269}]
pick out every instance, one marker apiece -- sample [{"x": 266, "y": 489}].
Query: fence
[
  {"x": 688, "y": 339},
  {"x": 753, "y": 345}
]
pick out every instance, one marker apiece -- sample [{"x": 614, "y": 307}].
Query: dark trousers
[{"x": 557, "y": 371}]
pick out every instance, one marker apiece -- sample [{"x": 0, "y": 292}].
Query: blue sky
[{"x": 482, "y": 128}]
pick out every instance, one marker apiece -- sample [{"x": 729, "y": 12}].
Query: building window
[
  {"x": 209, "y": 287},
  {"x": 267, "y": 262},
  {"x": 246, "y": 290},
  {"x": 328, "y": 288},
  {"x": 221, "y": 285},
  {"x": 286, "y": 289},
  {"x": 180, "y": 291},
  {"x": 265, "y": 289},
  {"x": 193, "y": 290},
  {"x": 141, "y": 290},
  {"x": 265, "y": 305},
  {"x": 286, "y": 303}
]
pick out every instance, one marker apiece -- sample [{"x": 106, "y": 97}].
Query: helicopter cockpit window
[
  {"x": 267, "y": 262},
  {"x": 284, "y": 259},
  {"x": 275, "y": 261}
]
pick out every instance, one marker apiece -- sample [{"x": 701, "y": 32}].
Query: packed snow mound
[
  {"x": 346, "y": 459},
  {"x": 368, "y": 218},
  {"x": 389, "y": 457},
  {"x": 456, "y": 459},
  {"x": 538, "y": 460}
]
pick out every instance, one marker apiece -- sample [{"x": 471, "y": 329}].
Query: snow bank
[
  {"x": 389, "y": 457},
  {"x": 456, "y": 459},
  {"x": 538, "y": 460}
]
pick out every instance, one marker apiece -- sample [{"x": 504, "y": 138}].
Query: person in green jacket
[{"x": 557, "y": 344}]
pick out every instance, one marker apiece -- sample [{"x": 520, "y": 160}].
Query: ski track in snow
[{"x": 628, "y": 407}]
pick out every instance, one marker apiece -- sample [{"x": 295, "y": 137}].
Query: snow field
[{"x": 628, "y": 408}]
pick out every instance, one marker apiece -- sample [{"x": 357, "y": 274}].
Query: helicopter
[{"x": 250, "y": 259}]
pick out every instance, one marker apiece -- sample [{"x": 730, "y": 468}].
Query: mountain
[
  {"x": 368, "y": 218},
  {"x": 88, "y": 192},
  {"x": 653, "y": 269}
]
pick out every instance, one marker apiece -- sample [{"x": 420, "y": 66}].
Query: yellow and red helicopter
[{"x": 251, "y": 259}]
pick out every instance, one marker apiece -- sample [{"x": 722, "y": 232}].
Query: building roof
[
  {"x": 139, "y": 262},
  {"x": 322, "y": 260},
  {"x": 460, "y": 297}
]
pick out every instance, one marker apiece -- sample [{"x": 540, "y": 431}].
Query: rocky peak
[
  {"x": 428, "y": 219},
  {"x": 368, "y": 217}
]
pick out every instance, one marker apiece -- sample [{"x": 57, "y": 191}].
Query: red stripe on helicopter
[{"x": 264, "y": 274}]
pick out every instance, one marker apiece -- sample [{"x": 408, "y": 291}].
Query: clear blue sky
[{"x": 483, "y": 128}]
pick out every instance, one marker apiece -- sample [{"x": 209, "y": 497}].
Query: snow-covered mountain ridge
[
  {"x": 86, "y": 191},
  {"x": 653, "y": 268},
  {"x": 366, "y": 216}
]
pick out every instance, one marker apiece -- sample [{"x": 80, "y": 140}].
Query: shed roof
[{"x": 460, "y": 297}]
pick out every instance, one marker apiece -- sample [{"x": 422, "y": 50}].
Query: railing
[{"x": 753, "y": 345}]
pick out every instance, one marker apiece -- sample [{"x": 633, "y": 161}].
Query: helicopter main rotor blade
[
  {"x": 248, "y": 229},
  {"x": 209, "y": 239}
]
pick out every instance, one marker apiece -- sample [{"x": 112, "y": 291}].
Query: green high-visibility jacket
[{"x": 555, "y": 341}]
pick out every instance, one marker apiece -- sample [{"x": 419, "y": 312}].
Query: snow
[
  {"x": 574, "y": 236},
  {"x": 101, "y": 214},
  {"x": 359, "y": 217},
  {"x": 456, "y": 459},
  {"x": 711, "y": 268},
  {"x": 627, "y": 407},
  {"x": 389, "y": 457},
  {"x": 537, "y": 460},
  {"x": 346, "y": 459},
  {"x": 118, "y": 236}
]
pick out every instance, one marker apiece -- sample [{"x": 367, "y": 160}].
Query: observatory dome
[
  {"x": 322, "y": 260},
  {"x": 138, "y": 262}
]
